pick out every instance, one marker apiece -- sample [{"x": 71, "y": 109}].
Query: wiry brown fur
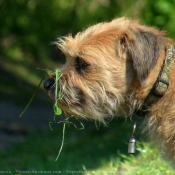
[{"x": 110, "y": 70}]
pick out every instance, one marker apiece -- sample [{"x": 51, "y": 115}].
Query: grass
[
  {"x": 58, "y": 95},
  {"x": 146, "y": 163},
  {"x": 88, "y": 152}
]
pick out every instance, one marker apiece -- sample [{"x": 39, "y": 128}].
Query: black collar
[{"x": 161, "y": 84}]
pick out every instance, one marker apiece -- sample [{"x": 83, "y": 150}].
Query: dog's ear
[{"x": 144, "y": 47}]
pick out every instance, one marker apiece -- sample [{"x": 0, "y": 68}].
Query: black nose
[{"x": 48, "y": 84}]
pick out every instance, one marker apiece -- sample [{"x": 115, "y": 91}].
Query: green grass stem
[{"x": 27, "y": 106}]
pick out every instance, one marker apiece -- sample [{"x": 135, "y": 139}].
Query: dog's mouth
[
  {"x": 69, "y": 101},
  {"x": 50, "y": 87}
]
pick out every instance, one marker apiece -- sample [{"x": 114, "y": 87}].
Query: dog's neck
[{"x": 162, "y": 82}]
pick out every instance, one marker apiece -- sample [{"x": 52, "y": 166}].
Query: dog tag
[
  {"x": 132, "y": 141},
  {"x": 132, "y": 145}
]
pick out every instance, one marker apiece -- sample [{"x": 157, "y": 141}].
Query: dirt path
[
  {"x": 35, "y": 116},
  {"x": 13, "y": 128}
]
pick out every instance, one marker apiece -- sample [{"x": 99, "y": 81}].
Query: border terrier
[{"x": 120, "y": 68}]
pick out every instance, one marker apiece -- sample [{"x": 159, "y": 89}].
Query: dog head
[{"x": 105, "y": 67}]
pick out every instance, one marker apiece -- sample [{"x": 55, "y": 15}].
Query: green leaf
[{"x": 57, "y": 110}]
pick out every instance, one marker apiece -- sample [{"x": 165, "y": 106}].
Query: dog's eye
[{"x": 80, "y": 65}]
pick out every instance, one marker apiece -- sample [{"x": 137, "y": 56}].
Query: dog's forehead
[
  {"x": 96, "y": 39},
  {"x": 88, "y": 45}
]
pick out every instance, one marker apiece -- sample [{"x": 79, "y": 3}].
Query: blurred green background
[{"x": 27, "y": 29}]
